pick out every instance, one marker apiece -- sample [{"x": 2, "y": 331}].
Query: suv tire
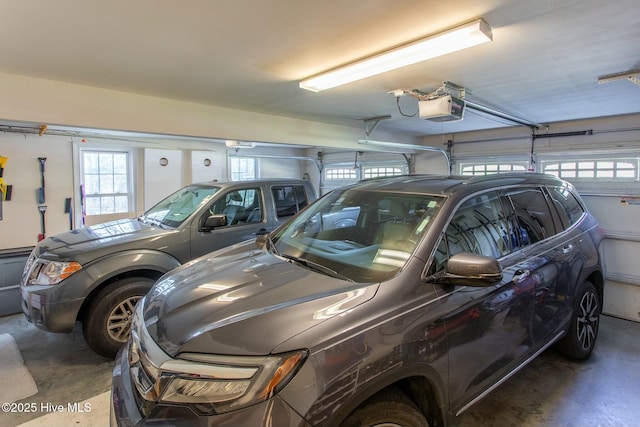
[
  {"x": 107, "y": 323},
  {"x": 580, "y": 340},
  {"x": 389, "y": 408}
]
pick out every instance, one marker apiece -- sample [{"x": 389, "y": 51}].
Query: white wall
[
  {"x": 21, "y": 220},
  {"x": 44, "y": 101},
  {"x": 207, "y": 166},
  {"x": 161, "y": 180}
]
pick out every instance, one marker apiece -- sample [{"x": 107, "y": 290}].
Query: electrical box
[{"x": 443, "y": 109}]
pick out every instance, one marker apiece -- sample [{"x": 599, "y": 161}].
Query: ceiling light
[{"x": 457, "y": 38}]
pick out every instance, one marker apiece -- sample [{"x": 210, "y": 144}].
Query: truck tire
[{"x": 107, "y": 323}]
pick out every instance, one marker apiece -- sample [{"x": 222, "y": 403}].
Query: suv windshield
[
  {"x": 176, "y": 208},
  {"x": 360, "y": 235}
]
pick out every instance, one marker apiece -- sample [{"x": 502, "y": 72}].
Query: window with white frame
[
  {"x": 491, "y": 168},
  {"x": 599, "y": 169},
  {"x": 242, "y": 168},
  {"x": 340, "y": 174},
  {"x": 106, "y": 180},
  {"x": 379, "y": 171}
]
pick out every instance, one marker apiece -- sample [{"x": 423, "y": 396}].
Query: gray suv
[
  {"x": 399, "y": 301},
  {"x": 97, "y": 274}
]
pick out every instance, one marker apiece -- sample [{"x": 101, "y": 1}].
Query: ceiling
[{"x": 542, "y": 66}]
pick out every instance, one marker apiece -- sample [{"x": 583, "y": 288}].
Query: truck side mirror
[{"x": 214, "y": 221}]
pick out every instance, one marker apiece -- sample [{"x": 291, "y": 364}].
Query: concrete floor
[{"x": 551, "y": 391}]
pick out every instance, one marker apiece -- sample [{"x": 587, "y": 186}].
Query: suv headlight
[
  {"x": 46, "y": 272},
  {"x": 225, "y": 383}
]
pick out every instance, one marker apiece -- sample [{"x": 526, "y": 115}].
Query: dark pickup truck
[{"x": 96, "y": 275}]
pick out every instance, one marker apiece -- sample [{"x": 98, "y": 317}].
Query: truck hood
[
  {"x": 100, "y": 236},
  {"x": 243, "y": 302}
]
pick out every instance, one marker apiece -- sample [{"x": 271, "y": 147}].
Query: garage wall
[
  {"x": 21, "y": 220},
  {"x": 161, "y": 178},
  {"x": 43, "y": 101},
  {"x": 207, "y": 166}
]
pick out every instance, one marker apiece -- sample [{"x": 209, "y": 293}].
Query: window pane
[
  {"x": 90, "y": 161},
  {"x": 121, "y": 204},
  {"x": 588, "y": 165},
  {"x": 107, "y": 205},
  {"x": 92, "y": 206},
  {"x": 120, "y": 183},
  {"x": 106, "y": 163},
  {"x": 626, "y": 174},
  {"x": 120, "y": 163},
  {"x": 586, "y": 174},
  {"x": 106, "y": 184},
  {"x": 602, "y": 174},
  {"x": 91, "y": 184}
]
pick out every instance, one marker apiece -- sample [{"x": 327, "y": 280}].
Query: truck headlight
[{"x": 52, "y": 272}]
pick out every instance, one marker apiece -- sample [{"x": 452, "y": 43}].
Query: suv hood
[
  {"x": 243, "y": 302},
  {"x": 100, "y": 236}
]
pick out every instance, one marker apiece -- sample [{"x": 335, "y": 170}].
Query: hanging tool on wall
[
  {"x": 68, "y": 209},
  {"x": 41, "y": 198},
  {"x": 42, "y": 235},
  {"x": 3, "y": 186},
  {"x": 42, "y": 208}
]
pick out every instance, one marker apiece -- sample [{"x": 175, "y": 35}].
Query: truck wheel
[
  {"x": 389, "y": 408},
  {"x": 583, "y": 329},
  {"x": 107, "y": 322}
]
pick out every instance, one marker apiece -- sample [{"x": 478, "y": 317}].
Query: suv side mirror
[
  {"x": 467, "y": 269},
  {"x": 214, "y": 221}
]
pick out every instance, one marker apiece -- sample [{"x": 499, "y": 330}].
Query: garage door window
[
  {"x": 491, "y": 168},
  {"x": 341, "y": 174},
  {"x": 106, "y": 180},
  {"x": 377, "y": 172},
  {"x": 609, "y": 169}
]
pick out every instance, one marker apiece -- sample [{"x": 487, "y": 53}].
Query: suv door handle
[
  {"x": 520, "y": 276},
  {"x": 567, "y": 248},
  {"x": 262, "y": 232}
]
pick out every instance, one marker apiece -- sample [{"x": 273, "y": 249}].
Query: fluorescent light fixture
[{"x": 452, "y": 40}]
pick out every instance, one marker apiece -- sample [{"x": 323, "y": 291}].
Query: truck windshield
[
  {"x": 362, "y": 235},
  {"x": 176, "y": 208}
]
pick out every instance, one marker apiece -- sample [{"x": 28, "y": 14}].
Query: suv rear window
[
  {"x": 533, "y": 215},
  {"x": 568, "y": 207}
]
